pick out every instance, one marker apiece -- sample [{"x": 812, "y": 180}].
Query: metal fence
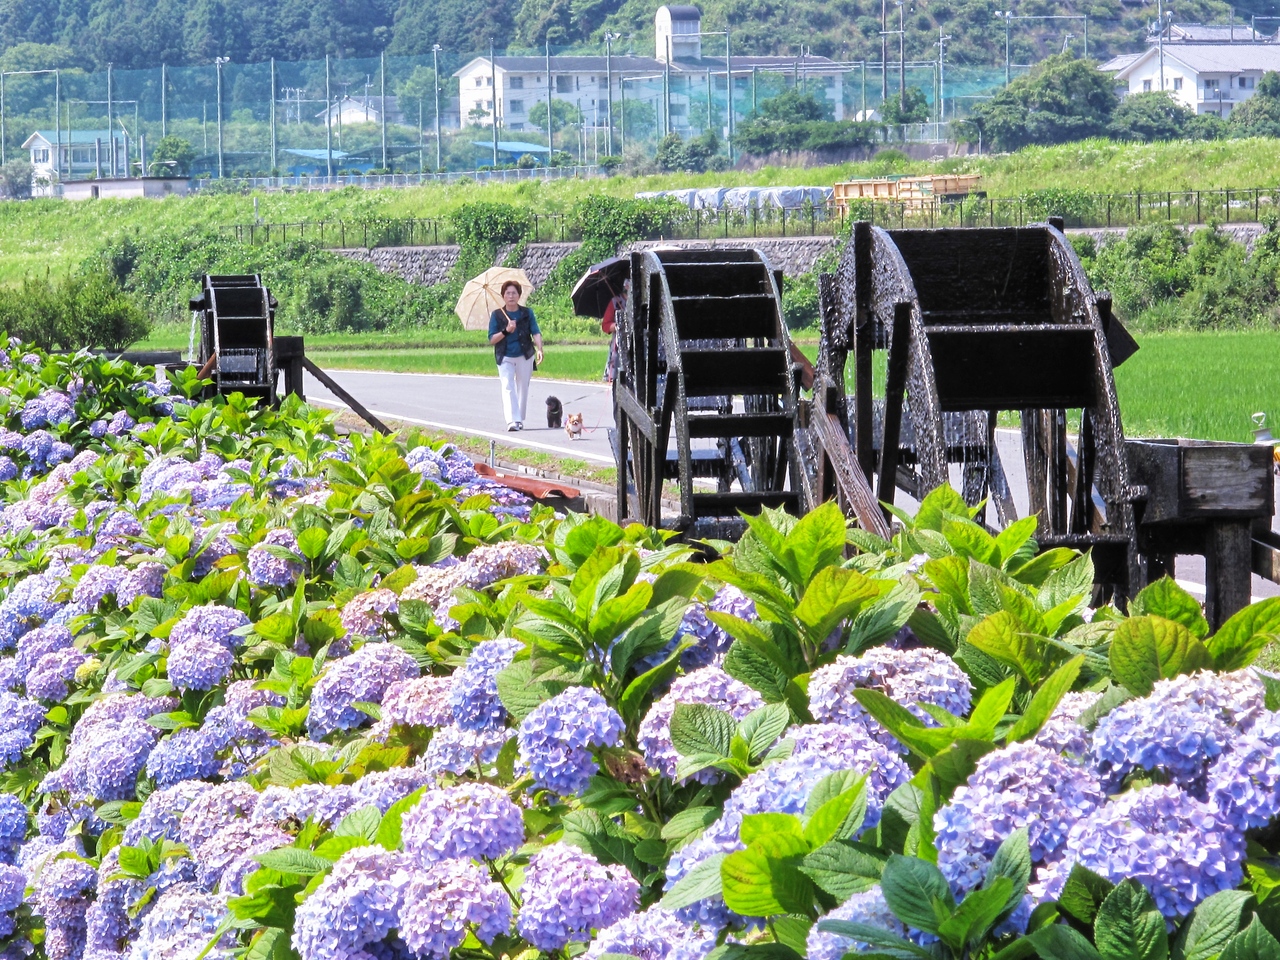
[{"x": 1078, "y": 210}]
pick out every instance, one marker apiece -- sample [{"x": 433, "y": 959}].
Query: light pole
[
  {"x": 902, "y": 53},
  {"x": 435, "y": 61},
  {"x": 942, "y": 90},
  {"x": 728, "y": 87},
  {"x": 550, "y": 146},
  {"x": 884, "y": 53},
  {"x": 1007, "y": 17},
  {"x": 218, "y": 62},
  {"x": 328, "y": 120},
  {"x": 493, "y": 92},
  {"x": 608, "y": 72}
]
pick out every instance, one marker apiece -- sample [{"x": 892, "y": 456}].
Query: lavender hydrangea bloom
[
  {"x": 96, "y": 584},
  {"x": 867, "y": 908},
  {"x": 358, "y": 903},
  {"x": 1179, "y": 730},
  {"x": 491, "y": 562},
  {"x": 909, "y": 677},
  {"x": 474, "y": 692},
  {"x": 471, "y": 820},
  {"x": 41, "y": 641},
  {"x": 1062, "y": 733},
  {"x": 448, "y": 900},
  {"x": 104, "y": 759},
  {"x": 384, "y": 788},
  {"x": 322, "y": 802},
  {"x": 364, "y": 676},
  {"x": 49, "y": 679},
  {"x": 226, "y": 858},
  {"x": 162, "y": 811},
  {"x": 557, "y": 737},
  {"x": 268, "y": 570},
  {"x": 120, "y": 423},
  {"x": 852, "y": 748},
  {"x": 180, "y": 924},
  {"x": 567, "y": 894},
  {"x": 1244, "y": 785},
  {"x": 199, "y": 664},
  {"x": 109, "y": 928},
  {"x": 144, "y": 580},
  {"x": 421, "y": 702},
  {"x": 210, "y": 622},
  {"x": 654, "y": 934},
  {"x": 168, "y": 476},
  {"x": 185, "y": 755},
  {"x": 454, "y": 750},
  {"x": 1171, "y": 843},
  {"x": 27, "y": 606},
  {"x": 213, "y": 809},
  {"x": 1023, "y": 785},
  {"x": 710, "y": 685},
  {"x": 8, "y": 469},
  {"x": 13, "y": 826},
  {"x": 13, "y": 883},
  {"x": 710, "y": 642},
  {"x": 365, "y": 614},
  {"x": 229, "y": 723},
  {"x": 60, "y": 898}
]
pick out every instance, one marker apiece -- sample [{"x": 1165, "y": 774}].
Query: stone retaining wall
[
  {"x": 421, "y": 265},
  {"x": 792, "y": 255}
]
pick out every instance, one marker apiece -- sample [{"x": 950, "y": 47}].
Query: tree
[
  {"x": 691, "y": 156},
  {"x": 15, "y": 179},
  {"x": 176, "y": 151},
  {"x": 908, "y": 107},
  {"x": 1259, "y": 116},
  {"x": 1154, "y": 115},
  {"x": 795, "y": 106},
  {"x": 563, "y": 114},
  {"x": 1060, "y": 100}
]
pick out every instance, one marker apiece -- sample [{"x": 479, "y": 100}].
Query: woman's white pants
[{"x": 515, "y": 373}]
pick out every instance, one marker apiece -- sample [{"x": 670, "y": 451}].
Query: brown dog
[{"x": 573, "y": 425}]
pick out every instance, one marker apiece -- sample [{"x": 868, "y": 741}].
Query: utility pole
[
  {"x": 550, "y": 148},
  {"x": 2, "y": 131},
  {"x": 942, "y": 89},
  {"x": 728, "y": 96},
  {"x": 382, "y": 114},
  {"x": 884, "y": 52},
  {"x": 1160, "y": 39},
  {"x": 328, "y": 121},
  {"x": 493, "y": 83},
  {"x": 111, "y": 127},
  {"x": 164, "y": 113},
  {"x": 608, "y": 71},
  {"x": 422, "y": 161},
  {"x": 218, "y": 62},
  {"x": 57, "y": 118},
  {"x": 1007, "y": 17},
  {"x": 666, "y": 91},
  {"x": 274, "y": 152},
  {"x": 435, "y": 58},
  {"x": 902, "y": 54}
]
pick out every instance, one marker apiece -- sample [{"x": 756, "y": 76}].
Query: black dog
[{"x": 555, "y": 413}]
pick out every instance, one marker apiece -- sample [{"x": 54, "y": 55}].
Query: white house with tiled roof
[{"x": 1204, "y": 77}]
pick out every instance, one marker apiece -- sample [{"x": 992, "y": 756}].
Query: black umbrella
[{"x": 600, "y": 284}]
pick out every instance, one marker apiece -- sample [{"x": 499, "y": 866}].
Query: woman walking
[{"x": 517, "y": 349}]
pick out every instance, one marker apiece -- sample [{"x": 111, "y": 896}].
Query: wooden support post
[
  {"x": 356, "y": 406},
  {"x": 863, "y": 344},
  {"x": 894, "y": 393},
  {"x": 1228, "y": 553}
]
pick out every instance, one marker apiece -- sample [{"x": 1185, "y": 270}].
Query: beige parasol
[{"x": 483, "y": 294}]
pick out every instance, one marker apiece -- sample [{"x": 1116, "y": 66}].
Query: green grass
[
  {"x": 562, "y": 362},
  {"x": 40, "y": 235}
]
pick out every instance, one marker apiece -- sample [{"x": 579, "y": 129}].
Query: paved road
[{"x": 473, "y": 405}]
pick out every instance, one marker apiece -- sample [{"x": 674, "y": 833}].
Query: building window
[
  {"x": 81, "y": 155},
  {"x": 40, "y": 155},
  {"x": 604, "y": 82},
  {"x": 515, "y": 106},
  {"x": 564, "y": 84},
  {"x": 1246, "y": 83},
  {"x": 1146, "y": 86},
  {"x": 479, "y": 81},
  {"x": 515, "y": 83},
  {"x": 1211, "y": 84},
  {"x": 1177, "y": 83}
]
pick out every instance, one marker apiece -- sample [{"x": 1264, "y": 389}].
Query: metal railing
[
  {"x": 384, "y": 180},
  {"x": 1078, "y": 210}
]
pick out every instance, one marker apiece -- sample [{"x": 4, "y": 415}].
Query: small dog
[
  {"x": 555, "y": 410},
  {"x": 573, "y": 426}
]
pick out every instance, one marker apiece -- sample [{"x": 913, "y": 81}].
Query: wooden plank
[
  {"x": 985, "y": 269},
  {"x": 863, "y": 348},
  {"x": 996, "y": 368},
  {"x": 704, "y": 279},
  {"x": 850, "y": 481},
  {"x": 1228, "y": 561},
  {"x": 638, "y": 415},
  {"x": 894, "y": 393},
  {"x": 727, "y": 504},
  {"x": 1222, "y": 479},
  {"x": 726, "y": 317},
  {"x": 1266, "y": 556},
  {"x": 799, "y": 360},
  {"x": 716, "y": 373},
  {"x": 741, "y": 425},
  {"x": 356, "y": 406}
]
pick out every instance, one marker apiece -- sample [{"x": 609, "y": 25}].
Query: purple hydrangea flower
[
  {"x": 1244, "y": 784},
  {"x": 446, "y": 902},
  {"x": 557, "y": 737},
  {"x": 867, "y": 908},
  {"x": 60, "y": 898},
  {"x": 474, "y": 692},
  {"x": 362, "y": 677},
  {"x": 909, "y": 677},
  {"x": 96, "y": 584},
  {"x": 49, "y": 679},
  {"x": 213, "y": 809},
  {"x": 491, "y": 562},
  {"x": 162, "y": 811},
  {"x": 454, "y": 750},
  {"x": 1023, "y": 785},
  {"x": 568, "y": 893},
  {"x": 470, "y": 820},
  {"x": 226, "y": 858},
  {"x": 358, "y": 903},
  {"x": 184, "y": 755},
  {"x": 421, "y": 702},
  {"x": 268, "y": 570},
  {"x": 199, "y": 664},
  {"x": 211, "y": 622},
  {"x": 709, "y": 685},
  {"x": 654, "y": 934},
  {"x": 182, "y": 921},
  {"x": 365, "y": 614},
  {"x": 1062, "y": 733},
  {"x": 144, "y": 580}
]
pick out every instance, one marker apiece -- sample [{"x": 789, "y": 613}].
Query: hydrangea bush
[{"x": 274, "y": 694}]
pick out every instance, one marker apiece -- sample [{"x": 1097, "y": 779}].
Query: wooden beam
[
  {"x": 637, "y": 413},
  {"x": 1228, "y": 560},
  {"x": 894, "y": 393},
  {"x": 850, "y": 481},
  {"x": 356, "y": 406}
]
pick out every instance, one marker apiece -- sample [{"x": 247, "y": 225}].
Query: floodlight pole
[
  {"x": 328, "y": 120},
  {"x": 493, "y": 84},
  {"x": 383, "y": 112},
  {"x": 435, "y": 58},
  {"x": 218, "y": 62},
  {"x": 57, "y": 118},
  {"x": 274, "y": 141},
  {"x": 111, "y": 131},
  {"x": 608, "y": 72},
  {"x": 164, "y": 117},
  {"x": 550, "y": 148}
]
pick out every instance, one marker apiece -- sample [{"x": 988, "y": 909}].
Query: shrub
[
  {"x": 86, "y": 309},
  {"x": 488, "y": 226}
]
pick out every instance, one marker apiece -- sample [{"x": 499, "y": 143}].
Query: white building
[
  {"x": 351, "y": 110},
  {"x": 509, "y": 87},
  {"x": 1204, "y": 77},
  {"x": 80, "y": 157}
]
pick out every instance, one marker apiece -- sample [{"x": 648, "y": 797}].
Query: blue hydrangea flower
[
  {"x": 1244, "y": 784},
  {"x": 184, "y": 755},
  {"x": 1062, "y": 733},
  {"x": 362, "y": 677},
  {"x": 384, "y": 788},
  {"x": 60, "y": 900},
  {"x": 867, "y": 908},
  {"x": 454, "y": 750},
  {"x": 909, "y": 677},
  {"x": 322, "y": 802},
  {"x": 491, "y": 562},
  {"x": 474, "y": 691},
  {"x": 568, "y": 893},
  {"x": 182, "y": 921},
  {"x": 1023, "y": 785},
  {"x": 268, "y": 570},
  {"x": 226, "y": 858},
  {"x": 358, "y": 903},
  {"x": 557, "y": 737},
  {"x": 446, "y": 902},
  {"x": 654, "y": 934},
  {"x": 144, "y": 580},
  {"x": 709, "y": 685},
  {"x": 471, "y": 820},
  {"x": 8, "y": 469},
  {"x": 162, "y": 811},
  {"x": 1170, "y": 842},
  {"x": 1179, "y": 730},
  {"x": 213, "y": 809},
  {"x": 421, "y": 702},
  {"x": 38, "y": 642},
  {"x": 212, "y": 622},
  {"x": 50, "y": 676},
  {"x": 199, "y": 664},
  {"x": 364, "y": 615},
  {"x": 96, "y": 584}
]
